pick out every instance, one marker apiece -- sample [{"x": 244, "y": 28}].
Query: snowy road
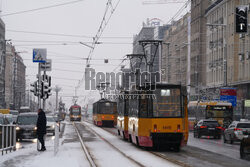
[
  {"x": 115, "y": 152},
  {"x": 203, "y": 152},
  {"x": 107, "y": 149}
]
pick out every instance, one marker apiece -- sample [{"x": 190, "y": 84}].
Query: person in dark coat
[{"x": 41, "y": 128}]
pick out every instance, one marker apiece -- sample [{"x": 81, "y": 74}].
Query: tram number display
[{"x": 167, "y": 127}]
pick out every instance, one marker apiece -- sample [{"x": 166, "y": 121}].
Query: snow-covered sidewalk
[{"x": 70, "y": 153}]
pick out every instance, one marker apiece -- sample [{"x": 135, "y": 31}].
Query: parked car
[
  {"x": 208, "y": 128},
  {"x": 50, "y": 124},
  {"x": 14, "y": 114},
  {"x": 9, "y": 117},
  {"x": 236, "y": 131},
  {"x": 26, "y": 126},
  {"x": 3, "y": 120}
]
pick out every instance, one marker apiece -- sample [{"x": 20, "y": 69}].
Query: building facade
[
  {"x": 152, "y": 51},
  {"x": 176, "y": 52},
  {"x": 19, "y": 81},
  {"x": 228, "y": 53},
  {"x": 198, "y": 46},
  {"x": 9, "y": 75},
  {"x": 2, "y": 64}
]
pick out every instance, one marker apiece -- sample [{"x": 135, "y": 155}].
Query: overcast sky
[{"x": 81, "y": 18}]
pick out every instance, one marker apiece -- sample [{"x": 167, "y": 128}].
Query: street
[{"x": 107, "y": 149}]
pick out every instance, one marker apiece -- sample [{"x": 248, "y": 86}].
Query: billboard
[{"x": 229, "y": 95}]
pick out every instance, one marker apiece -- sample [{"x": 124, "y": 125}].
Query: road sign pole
[
  {"x": 39, "y": 85},
  {"x": 44, "y": 100}
]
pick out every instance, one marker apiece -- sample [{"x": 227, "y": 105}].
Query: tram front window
[
  {"x": 107, "y": 108},
  {"x": 167, "y": 103},
  {"x": 75, "y": 111}
]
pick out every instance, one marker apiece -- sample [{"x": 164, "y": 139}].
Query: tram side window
[
  {"x": 167, "y": 103},
  {"x": 143, "y": 107},
  {"x": 120, "y": 104},
  {"x": 126, "y": 108},
  {"x": 133, "y": 109}
]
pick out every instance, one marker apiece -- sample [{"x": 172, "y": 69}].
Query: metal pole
[
  {"x": 44, "y": 100},
  {"x": 39, "y": 85}
]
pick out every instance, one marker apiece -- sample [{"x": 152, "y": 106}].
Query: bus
[
  {"x": 217, "y": 110},
  {"x": 105, "y": 113},
  {"x": 75, "y": 113},
  {"x": 158, "y": 116}
]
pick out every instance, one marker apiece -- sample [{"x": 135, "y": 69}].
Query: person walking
[{"x": 41, "y": 128}]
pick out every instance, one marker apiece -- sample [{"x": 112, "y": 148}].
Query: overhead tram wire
[
  {"x": 66, "y": 35},
  {"x": 173, "y": 18},
  {"x": 102, "y": 26},
  {"x": 100, "y": 31},
  {"x": 41, "y": 8}
]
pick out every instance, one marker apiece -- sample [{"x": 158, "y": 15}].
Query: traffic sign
[
  {"x": 247, "y": 103},
  {"x": 230, "y": 99},
  {"x": 39, "y": 55},
  {"x": 47, "y": 66}
]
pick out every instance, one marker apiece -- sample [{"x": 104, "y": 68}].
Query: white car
[
  {"x": 237, "y": 131},
  {"x": 50, "y": 125}
]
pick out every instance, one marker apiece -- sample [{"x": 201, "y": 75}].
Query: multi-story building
[
  {"x": 176, "y": 52},
  {"x": 9, "y": 73},
  {"x": 152, "y": 51},
  {"x": 19, "y": 81},
  {"x": 198, "y": 46},
  {"x": 228, "y": 53},
  {"x": 2, "y": 64}
]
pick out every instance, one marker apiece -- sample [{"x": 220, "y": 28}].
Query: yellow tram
[
  {"x": 122, "y": 118},
  {"x": 158, "y": 116},
  {"x": 105, "y": 113}
]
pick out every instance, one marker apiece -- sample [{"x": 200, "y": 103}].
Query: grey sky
[{"x": 81, "y": 18}]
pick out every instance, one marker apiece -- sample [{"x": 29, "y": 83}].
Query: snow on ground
[
  {"x": 70, "y": 154},
  {"x": 140, "y": 155}
]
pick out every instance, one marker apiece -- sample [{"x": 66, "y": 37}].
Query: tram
[
  {"x": 105, "y": 113},
  {"x": 158, "y": 116},
  {"x": 122, "y": 118},
  {"x": 75, "y": 113}
]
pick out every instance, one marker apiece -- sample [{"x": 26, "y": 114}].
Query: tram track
[
  {"x": 109, "y": 130},
  {"x": 114, "y": 147},
  {"x": 85, "y": 149},
  {"x": 191, "y": 156},
  {"x": 155, "y": 153}
]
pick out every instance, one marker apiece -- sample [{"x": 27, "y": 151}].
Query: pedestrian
[{"x": 41, "y": 128}]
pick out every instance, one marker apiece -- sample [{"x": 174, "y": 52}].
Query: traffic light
[
  {"x": 34, "y": 88},
  {"x": 42, "y": 94},
  {"x": 46, "y": 87},
  {"x": 241, "y": 19},
  {"x": 46, "y": 90}
]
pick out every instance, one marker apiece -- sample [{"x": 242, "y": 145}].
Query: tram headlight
[
  {"x": 35, "y": 128},
  {"x": 17, "y": 128}
]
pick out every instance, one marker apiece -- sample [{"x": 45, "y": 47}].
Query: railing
[{"x": 7, "y": 138}]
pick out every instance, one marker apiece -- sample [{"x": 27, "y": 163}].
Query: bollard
[{"x": 56, "y": 140}]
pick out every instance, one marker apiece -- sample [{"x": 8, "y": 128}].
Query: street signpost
[
  {"x": 39, "y": 55},
  {"x": 47, "y": 66}
]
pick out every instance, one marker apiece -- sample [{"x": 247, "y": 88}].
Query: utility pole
[{"x": 57, "y": 89}]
